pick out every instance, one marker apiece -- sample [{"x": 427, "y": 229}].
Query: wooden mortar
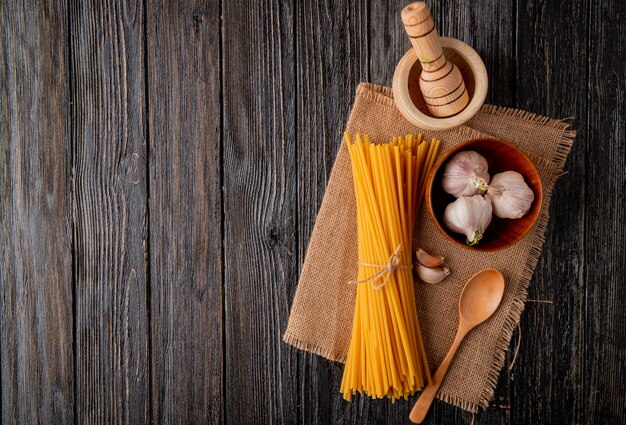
[{"x": 440, "y": 82}]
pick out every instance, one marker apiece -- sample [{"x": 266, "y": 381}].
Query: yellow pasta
[{"x": 386, "y": 357}]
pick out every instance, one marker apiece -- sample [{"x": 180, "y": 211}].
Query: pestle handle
[
  {"x": 441, "y": 82},
  {"x": 420, "y": 27}
]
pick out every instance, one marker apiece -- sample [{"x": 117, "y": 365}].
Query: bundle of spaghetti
[{"x": 386, "y": 357}]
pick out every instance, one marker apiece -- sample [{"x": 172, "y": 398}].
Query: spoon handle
[{"x": 422, "y": 405}]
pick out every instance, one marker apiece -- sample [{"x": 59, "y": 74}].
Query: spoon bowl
[
  {"x": 481, "y": 296},
  {"x": 479, "y": 299}
]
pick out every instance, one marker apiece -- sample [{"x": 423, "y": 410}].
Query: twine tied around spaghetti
[{"x": 385, "y": 271}]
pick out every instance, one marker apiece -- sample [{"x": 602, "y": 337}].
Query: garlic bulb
[
  {"x": 465, "y": 174},
  {"x": 510, "y": 195},
  {"x": 469, "y": 215}
]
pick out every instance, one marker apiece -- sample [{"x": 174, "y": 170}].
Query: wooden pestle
[{"x": 441, "y": 82}]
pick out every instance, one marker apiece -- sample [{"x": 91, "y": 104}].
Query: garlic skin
[
  {"x": 425, "y": 259},
  {"x": 465, "y": 174},
  {"x": 469, "y": 215},
  {"x": 432, "y": 274},
  {"x": 510, "y": 195}
]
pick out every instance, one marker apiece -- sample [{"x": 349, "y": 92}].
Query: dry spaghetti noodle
[{"x": 386, "y": 357}]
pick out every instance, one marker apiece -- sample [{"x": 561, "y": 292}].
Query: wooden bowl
[
  {"x": 408, "y": 97},
  {"x": 501, "y": 156}
]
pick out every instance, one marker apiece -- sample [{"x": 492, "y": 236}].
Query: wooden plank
[
  {"x": 36, "y": 354},
  {"x": 551, "y": 74},
  {"x": 110, "y": 213},
  {"x": 387, "y": 39},
  {"x": 605, "y": 242},
  {"x": 489, "y": 28},
  {"x": 260, "y": 189},
  {"x": 185, "y": 211},
  {"x": 332, "y": 58}
]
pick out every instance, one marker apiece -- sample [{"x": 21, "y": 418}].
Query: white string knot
[{"x": 385, "y": 271}]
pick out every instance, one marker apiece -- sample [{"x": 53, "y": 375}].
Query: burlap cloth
[{"x": 321, "y": 314}]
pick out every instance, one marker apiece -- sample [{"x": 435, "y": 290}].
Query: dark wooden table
[{"x": 161, "y": 167}]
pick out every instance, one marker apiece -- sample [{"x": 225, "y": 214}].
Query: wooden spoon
[{"x": 479, "y": 299}]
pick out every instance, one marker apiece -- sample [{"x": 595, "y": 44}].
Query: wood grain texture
[
  {"x": 552, "y": 42},
  {"x": 605, "y": 214},
  {"x": 110, "y": 211},
  {"x": 161, "y": 168},
  {"x": 489, "y": 28},
  {"x": 185, "y": 211},
  {"x": 36, "y": 354},
  {"x": 332, "y": 58},
  {"x": 422, "y": 32},
  {"x": 441, "y": 83},
  {"x": 387, "y": 38},
  {"x": 260, "y": 215}
]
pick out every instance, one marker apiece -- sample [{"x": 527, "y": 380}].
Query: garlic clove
[
  {"x": 432, "y": 274},
  {"x": 465, "y": 174},
  {"x": 510, "y": 195},
  {"x": 428, "y": 260},
  {"x": 469, "y": 215}
]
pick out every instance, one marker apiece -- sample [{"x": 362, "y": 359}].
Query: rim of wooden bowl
[
  {"x": 413, "y": 114},
  {"x": 535, "y": 209}
]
